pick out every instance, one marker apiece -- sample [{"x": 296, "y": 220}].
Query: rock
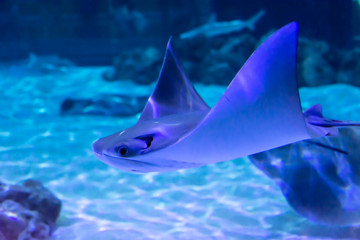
[
  {"x": 28, "y": 211},
  {"x": 42, "y": 201},
  {"x": 218, "y": 72},
  {"x": 140, "y": 65},
  {"x": 314, "y": 67},
  {"x": 320, "y": 64},
  {"x": 211, "y": 61},
  {"x": 348, "y": 67},
  {"x": 108, "y": 105},
  {"x": 320, "y": 178},
  {"x": 129, "y": 21},
  {"x": 214, "y": 60},
  {"x": 317, "y": 71},
  {"x": 17, "y": 222}
]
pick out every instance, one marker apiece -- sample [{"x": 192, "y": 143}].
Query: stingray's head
[{"x": 123, "y": 150}]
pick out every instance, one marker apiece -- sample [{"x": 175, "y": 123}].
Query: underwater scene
[{"x": 192, "y": 119}]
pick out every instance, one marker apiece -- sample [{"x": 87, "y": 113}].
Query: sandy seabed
[{"x": 230, "y": 200}]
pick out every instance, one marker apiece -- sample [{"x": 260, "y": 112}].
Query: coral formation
[
  {"x": 28, "y": 211},
  {"x": 216, "y": 60}
]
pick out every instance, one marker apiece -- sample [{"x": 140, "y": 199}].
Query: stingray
[{"x": 259, "y": 111}]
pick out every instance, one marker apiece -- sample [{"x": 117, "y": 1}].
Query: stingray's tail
[{"x": 319, "y": 126}]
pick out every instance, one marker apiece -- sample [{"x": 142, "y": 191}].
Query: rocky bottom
[{"x": 230, "y": 200}]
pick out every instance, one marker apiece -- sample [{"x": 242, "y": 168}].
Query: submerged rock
[
  {"x": 315, "y": 68},
  {"x": 17, "y": 222},
  {"x": 320, "y": 178},
  {"x": 206, "y": 60},
  {"x": 36, "y": 65},
  {"x": 28, "y": 211},
  {"x": 140, "y": 65},
  {"x": 216, "y": 60},
  {"x": 109, "y": 105},
  {"x": 321, "y": 64}
]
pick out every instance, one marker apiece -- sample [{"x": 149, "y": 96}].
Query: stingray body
[
  {"x": 323, "y": 186},
  {"x": 259, "y": 111}
]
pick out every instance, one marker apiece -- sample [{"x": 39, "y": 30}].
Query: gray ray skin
[{"x": 259, "y": 111}]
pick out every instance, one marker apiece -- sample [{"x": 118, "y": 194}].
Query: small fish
[
  {"x": 259, "y": 111},
  {"x": 214, "y": 28}
]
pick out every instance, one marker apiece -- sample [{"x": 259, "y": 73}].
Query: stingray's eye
[{"x": 122, "y": 150}]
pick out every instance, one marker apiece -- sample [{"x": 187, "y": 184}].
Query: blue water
[{"x": 231, "y": 200}]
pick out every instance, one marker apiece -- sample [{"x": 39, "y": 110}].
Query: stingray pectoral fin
[
  {"x": 259, "y": 111},
  {"x": 173, "y": 93}
]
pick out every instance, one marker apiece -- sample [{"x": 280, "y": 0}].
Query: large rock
[
  {"x": 321, "y": 64},
  {"x": 320, "y": 178},
  {"x": 216, "y": 60},
  {"x": 140, "y": 65},
  {"x": 108, "y": 105},
  {"x": 18, "y": 222},
  {"x": 28, "y": 211},
  {"x": 206, "y": 60}
]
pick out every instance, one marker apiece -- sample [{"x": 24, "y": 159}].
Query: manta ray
[{"x": 259, "y": 111}]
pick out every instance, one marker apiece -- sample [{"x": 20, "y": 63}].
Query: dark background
[{"x": 91, "y": 32}]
